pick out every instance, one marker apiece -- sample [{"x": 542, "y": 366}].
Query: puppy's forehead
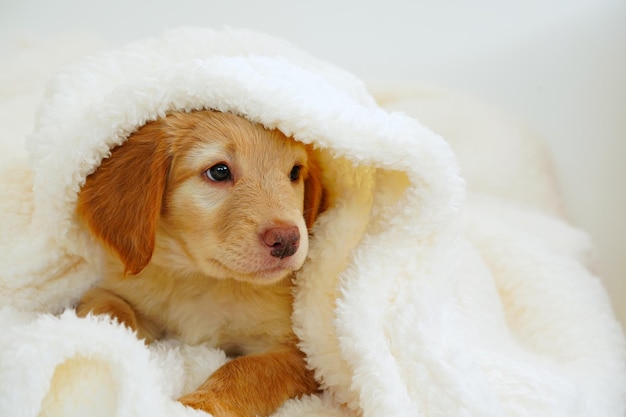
[{"x": 222, "y": 137}]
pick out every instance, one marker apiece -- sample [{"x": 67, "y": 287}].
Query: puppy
[{"x": 206, "y": 217}]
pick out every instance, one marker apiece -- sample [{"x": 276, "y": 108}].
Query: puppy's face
[
  {"x": 206, "y": 192},
  {"x": 233, "y": 206}
]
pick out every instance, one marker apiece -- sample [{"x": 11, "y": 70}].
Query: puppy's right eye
[{"x": 218, "y": 173}]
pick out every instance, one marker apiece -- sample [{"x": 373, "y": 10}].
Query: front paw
[{"x": 254, "y": 385}]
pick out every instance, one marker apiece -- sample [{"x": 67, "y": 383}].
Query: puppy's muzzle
[{"x": 282, "y": 241}]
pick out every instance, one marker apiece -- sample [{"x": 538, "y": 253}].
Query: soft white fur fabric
[{"x": 418, "y": 298}]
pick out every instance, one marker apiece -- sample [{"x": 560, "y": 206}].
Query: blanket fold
[{"x": 416, "y": 299}]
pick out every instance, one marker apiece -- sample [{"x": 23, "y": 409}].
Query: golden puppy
[{"x": 206, "y": 217}]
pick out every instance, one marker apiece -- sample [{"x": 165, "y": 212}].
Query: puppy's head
[{"x": 206, "y": 192}]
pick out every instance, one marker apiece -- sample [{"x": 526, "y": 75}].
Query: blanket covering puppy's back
[{"x": 415, "y": 300}]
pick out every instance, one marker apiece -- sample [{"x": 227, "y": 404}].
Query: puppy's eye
[
  {"x": 295, "y": 173},
  {"x": 218, "y": 173}
]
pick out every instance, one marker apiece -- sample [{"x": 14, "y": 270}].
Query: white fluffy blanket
[{"x": 418, "y": 299}]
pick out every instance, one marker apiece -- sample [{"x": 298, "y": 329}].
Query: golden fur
[{"x": 206, "y": 216}]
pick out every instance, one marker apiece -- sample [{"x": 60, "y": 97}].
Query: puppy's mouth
[
  {"x": 261, "y": 274},
  {"x": 273, "y": 273}
]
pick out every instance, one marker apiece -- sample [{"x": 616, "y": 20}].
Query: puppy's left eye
[
  {"x": 218, "y": 173},
  {"x": 295, "y": 173}
]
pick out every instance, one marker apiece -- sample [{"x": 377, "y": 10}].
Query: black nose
[{"x": 282, "y": 241}]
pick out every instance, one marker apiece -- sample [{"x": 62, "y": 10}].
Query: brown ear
[
  {"x": 314, "y": 194},
  {"x": 121, "y": 200}
]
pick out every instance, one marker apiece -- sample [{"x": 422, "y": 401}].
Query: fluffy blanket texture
[{"x": 418, "y": 298}]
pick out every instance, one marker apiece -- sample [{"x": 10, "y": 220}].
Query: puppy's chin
[{"x": 262, "y": 277}]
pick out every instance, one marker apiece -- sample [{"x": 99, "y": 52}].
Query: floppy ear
[
  {"x": 314, "y": 193},
  {"x": 121, "y": 200}
]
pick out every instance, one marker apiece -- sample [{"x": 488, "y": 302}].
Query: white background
[{"x": 559, "y": 65}]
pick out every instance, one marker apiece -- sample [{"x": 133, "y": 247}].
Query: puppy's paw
[{"x": 254, "y": 385}]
